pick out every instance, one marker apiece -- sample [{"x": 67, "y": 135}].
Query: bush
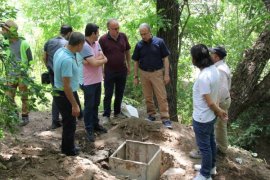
[{"x": 250, "y": 126}]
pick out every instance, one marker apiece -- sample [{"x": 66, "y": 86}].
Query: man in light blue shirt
[{"x": 66, "y": 83}]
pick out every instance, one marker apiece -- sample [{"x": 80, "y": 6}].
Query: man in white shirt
[
  {"x": 205, "y": 109},
  {"x": 224, "y": 99},
  {"x": 217, "y": 55}
]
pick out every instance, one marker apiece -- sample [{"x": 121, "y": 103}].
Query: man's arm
[
  {"x": 99, "y": 61},
  {"x": 136, "y": 77},
  {"x": 166, "y": 70},
  {"x": 127, "y": 53},
  {"x": 70, "y": 96},
  {"x": 217, "y": 110}
]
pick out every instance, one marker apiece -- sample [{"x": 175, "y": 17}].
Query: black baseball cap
[
  {"x": 65, "y": 29},
  {"x": 219, "y": 50}
]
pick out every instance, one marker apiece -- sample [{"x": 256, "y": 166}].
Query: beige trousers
[
  {"x": 24, "y": 98},
  {"x": 221, "y": 128},
  {"x": 153, "y": 82}
]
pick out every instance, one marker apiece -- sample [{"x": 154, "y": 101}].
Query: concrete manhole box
[{"x": 138, "y": 160}]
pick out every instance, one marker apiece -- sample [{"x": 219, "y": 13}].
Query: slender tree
[{"x": 171, "y": 11}]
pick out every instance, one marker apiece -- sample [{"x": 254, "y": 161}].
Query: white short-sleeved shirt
[
  {"x": 224, "y": 79},
  {"x": 206, "y": 83}
]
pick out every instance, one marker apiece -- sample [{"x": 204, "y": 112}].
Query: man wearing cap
[
  {"x": 218, "y": 55},
  {"x": 50, "y": 47},
  {"x": 20, "y": 56}
]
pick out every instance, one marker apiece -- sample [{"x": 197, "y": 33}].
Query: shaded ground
[{"x": 33, "y": 153}]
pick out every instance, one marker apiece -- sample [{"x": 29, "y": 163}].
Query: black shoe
[
  {"x": 150, "y": 118},
  {"x": 55, "y": 125},
  {"x": 100, "y": 129},
  {"x": 90, "y": 136},
  {"x": 25, "y": 120},
  {"x": 75, "y": 152}
]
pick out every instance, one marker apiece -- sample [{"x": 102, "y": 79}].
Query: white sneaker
[
  {"x": 105, "y": 120},
  {"x": 201, "y": 177},
  {"x": 198, "y": 167},
  {"x": 213, "y": 171},
  {"x": 195, "y": 154}
]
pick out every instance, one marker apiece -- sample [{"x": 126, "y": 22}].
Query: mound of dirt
[{"x": 33, "y": 152}]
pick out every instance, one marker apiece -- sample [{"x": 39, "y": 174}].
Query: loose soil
[{"x": 33, "y": 152}]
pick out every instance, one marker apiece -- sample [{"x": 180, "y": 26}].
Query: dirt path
[{"x": 33, "y": 153}]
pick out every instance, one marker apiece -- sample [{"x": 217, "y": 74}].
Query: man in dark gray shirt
[{"x": 50, "y": 47}]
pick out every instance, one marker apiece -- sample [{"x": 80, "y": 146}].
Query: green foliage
[
  {"x": 184, "y": 90},
  {"x": 9, "y": 111},
  {"x": 6, "y": 11},
  {"x": 250, "y": 126},
  {"x": 234, "y": 24},
  {"x": 50, "y": 15}
]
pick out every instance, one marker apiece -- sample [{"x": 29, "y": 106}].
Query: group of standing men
[
  {"x": 111, "y": 56},
  {"x": 108, "y": 58}
]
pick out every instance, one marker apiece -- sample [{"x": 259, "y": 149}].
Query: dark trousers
[
  {"x": 111, "y": 81},
  {"x": 92, "y": 95},
  {"x": 69, "y": 121},
  {"x": 205, "y": 138},
  {"x": 55, "y": 111}
]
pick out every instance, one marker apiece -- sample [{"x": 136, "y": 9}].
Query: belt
[{"x": 150, "y": 69}]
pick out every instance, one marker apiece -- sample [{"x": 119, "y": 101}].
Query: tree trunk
[
  {"x": 169, "y": 10},
  {"x": 245, "y": 79}
]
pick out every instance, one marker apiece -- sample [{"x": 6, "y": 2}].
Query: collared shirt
[
  {"x": 224, "y": 79},
  {"x": 65, "y": 65},
  {"x": 206, "y": 83},
  {"x": 150, "y": 54},
  {"x": 51, "y": 47},
  {"x": 115, "y": 51},
  {"x": 91, "y": 74}
]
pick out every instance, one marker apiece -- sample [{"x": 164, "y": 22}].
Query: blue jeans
[
  {"x": 92, "y": 95},
  {"x": 205, "y": 138},
  {"x": 117, "y": 80}
]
